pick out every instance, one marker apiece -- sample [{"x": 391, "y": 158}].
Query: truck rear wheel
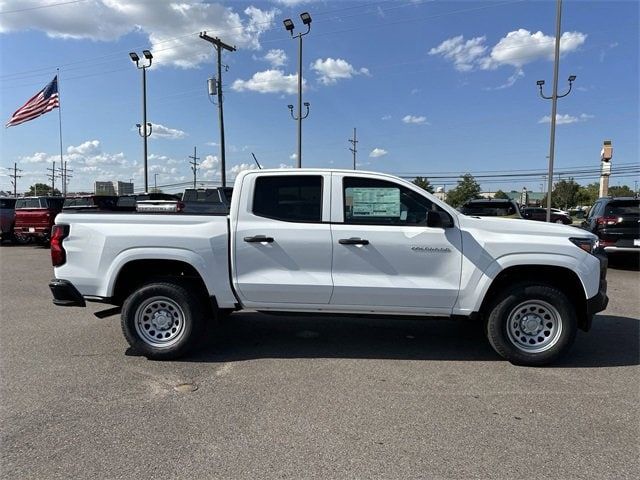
[
  {"x": 163, "y": 320},
  {"x": 532, "y": 324}
]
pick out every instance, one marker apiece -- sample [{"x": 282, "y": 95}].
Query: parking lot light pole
[
  {"x": 288, "y": 25},
  {"x": 143, "y": 132},
  {"x": 554, "y": 103}
]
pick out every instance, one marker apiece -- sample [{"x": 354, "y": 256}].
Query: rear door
[
  {"x": 385, "y": 257},
  {"x": 282, "y": 239}
]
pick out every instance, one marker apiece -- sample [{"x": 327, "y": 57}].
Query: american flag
[{"x": 42, "y": 102}]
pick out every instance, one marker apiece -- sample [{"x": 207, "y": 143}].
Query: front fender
[{"x": 476, "y": 285}]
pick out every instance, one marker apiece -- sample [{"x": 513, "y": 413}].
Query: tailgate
[{"x": 34, "y": 217}]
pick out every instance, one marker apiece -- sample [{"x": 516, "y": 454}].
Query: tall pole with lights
[
  {"x": 554, "y": 103},
  {"x": 142, "y": 129},
  {"x": 288, "y": 25}
]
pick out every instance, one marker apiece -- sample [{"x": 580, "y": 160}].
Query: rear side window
[
  {"x": 7, "y": 202},
  {"x": 291, "y": 198},
  {"x": 623, "y": 207}
]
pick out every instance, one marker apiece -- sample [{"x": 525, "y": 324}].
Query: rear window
[
  {"x": 7, "y": 202},
  {"x": 490, "y": 209},
  {"x": 622, "y": 207},
  {"x": 78, "y": 202},
  {"x": 292, "y": 198},
  {"x": 205, "y": 196},
  {"x": 28, "y": 203}
]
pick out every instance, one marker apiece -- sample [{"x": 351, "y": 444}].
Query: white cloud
[
  {"x": 462, "y": 54},
  {"x": 516, "y": 49},
  {"x": 386, "y": 117},
  {"x": 564, "y": 119},
  {"x": 276, "y": 57},
  {"x": 210, "y": 162},
  {"x": 89, "y": 147},
  {"x": 414, "y": 119},
  {"x": 171, "y": 27},
  {"x": 160, "y": 131},
  {"x": 331, "y": 70},
  {"x": 291, "y": 3},
  {"x": 236, "y": 169},
  {"x": 38, "y": 157},
  {"x": 269, "y": 81},
  {"x": 378, "y": 152}
]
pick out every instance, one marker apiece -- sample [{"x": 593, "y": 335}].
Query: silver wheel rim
[
  {"x": 559, "y": 221},
  {"x": 534, "y": 326},
  {"x": 159, "y": 322}
]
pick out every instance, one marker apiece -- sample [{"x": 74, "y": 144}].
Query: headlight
[{"x": 586, "y": 244}]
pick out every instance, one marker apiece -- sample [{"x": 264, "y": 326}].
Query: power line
[{"x": 41, "y": 6}]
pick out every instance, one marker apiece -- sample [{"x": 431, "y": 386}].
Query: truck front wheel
[
  {"x": 163, "y": 320},
  {"x": 531, "y": 324}
]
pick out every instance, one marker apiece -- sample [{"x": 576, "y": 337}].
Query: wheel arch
[{"x": 562, "y": 278}]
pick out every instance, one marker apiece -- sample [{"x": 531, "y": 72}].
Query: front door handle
[
  {"x": 258, "y": 239},
  {"x": 353, "y": 241}
]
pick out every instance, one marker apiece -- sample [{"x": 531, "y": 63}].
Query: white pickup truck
[{"x": 331, "y": 242}]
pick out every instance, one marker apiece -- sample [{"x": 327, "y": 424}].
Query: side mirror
[{"x": 438, "y": 219}]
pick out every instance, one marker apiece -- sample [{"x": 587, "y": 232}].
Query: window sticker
[{"x": 374, "y": 202}]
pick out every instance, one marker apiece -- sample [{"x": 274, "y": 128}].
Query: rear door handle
[
  {"x": 353, "y": 241},
  {"x": 258, "y": 239}
]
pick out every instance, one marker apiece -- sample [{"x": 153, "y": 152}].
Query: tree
[
  {"x": 423, "y": 183},
  {"x": 588, "y": 195},
  {"x": 620, "y": 191},
  {"x": 501, "y": 194},
  {"x": 467, "y": 189},
  {"x": 564, "y": 194},
  {"x": 41, "y": 189}
]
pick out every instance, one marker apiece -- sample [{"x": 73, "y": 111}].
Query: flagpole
[{"x": 64, "y": 180}]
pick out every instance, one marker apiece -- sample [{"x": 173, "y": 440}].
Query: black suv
[
  {"x": 492, "y": 207},
  {"x": 616, "y": 222}
]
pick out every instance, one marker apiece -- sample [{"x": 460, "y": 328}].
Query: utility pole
[
  {"x": 353, "y": 141},
  {"x": 194, "y": 165},
  {"x": 14, "y": 179},
  {"x": 52, "y": 176},
  {"x": 219, "y": 45}
]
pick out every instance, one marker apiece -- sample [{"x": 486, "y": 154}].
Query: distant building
[
  {"x": 440, "y": 193},
  {"x": 124, "y": 188},
  {"x": 104, "y": 188},
  {"x": 113, "y": 188}
]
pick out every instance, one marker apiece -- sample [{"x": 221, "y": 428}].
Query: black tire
[
  {"x": 531, "y": 324},
  {"x": 166, "y": 310}
]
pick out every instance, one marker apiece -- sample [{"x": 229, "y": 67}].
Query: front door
[{"x": 384, "y": 255}]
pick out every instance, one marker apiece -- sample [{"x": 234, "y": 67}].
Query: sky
[{"x": 434, "y": 88}]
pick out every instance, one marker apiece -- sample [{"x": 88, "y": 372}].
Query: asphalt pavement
[{"x": 298, "y": 398}]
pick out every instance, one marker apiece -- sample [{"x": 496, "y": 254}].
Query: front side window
[
  {"x": 290, "y": 198},
  {"x": 378, "y": 202}
]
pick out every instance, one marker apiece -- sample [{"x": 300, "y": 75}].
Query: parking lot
[{"x": 295, "y": 397}]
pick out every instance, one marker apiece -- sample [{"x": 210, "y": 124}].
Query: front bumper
[
  {"x": 65, "y": 294},
  {"x": 600, "y": 300}
]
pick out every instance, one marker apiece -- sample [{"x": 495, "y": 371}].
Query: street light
[
  {"x": 143, "y": 133},
  {"x": 554, "y": 103},
  {"x": 289, "y": 27}
]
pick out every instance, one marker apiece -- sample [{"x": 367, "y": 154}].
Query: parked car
[
  {"x": 331, "y": 242},
  {"x": 493, "y": 207},
  {"x": 207, "y": 200},
  {"x": 90, "y": 202},
  {"x": 616, "y": 222},
  {"x": 34, "y": 218},
  {"x": 540, "y": 214},
  {"x": 7, "y": 217}
]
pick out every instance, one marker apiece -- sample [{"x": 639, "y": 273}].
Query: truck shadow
[{"x": 613, "y": 341}]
